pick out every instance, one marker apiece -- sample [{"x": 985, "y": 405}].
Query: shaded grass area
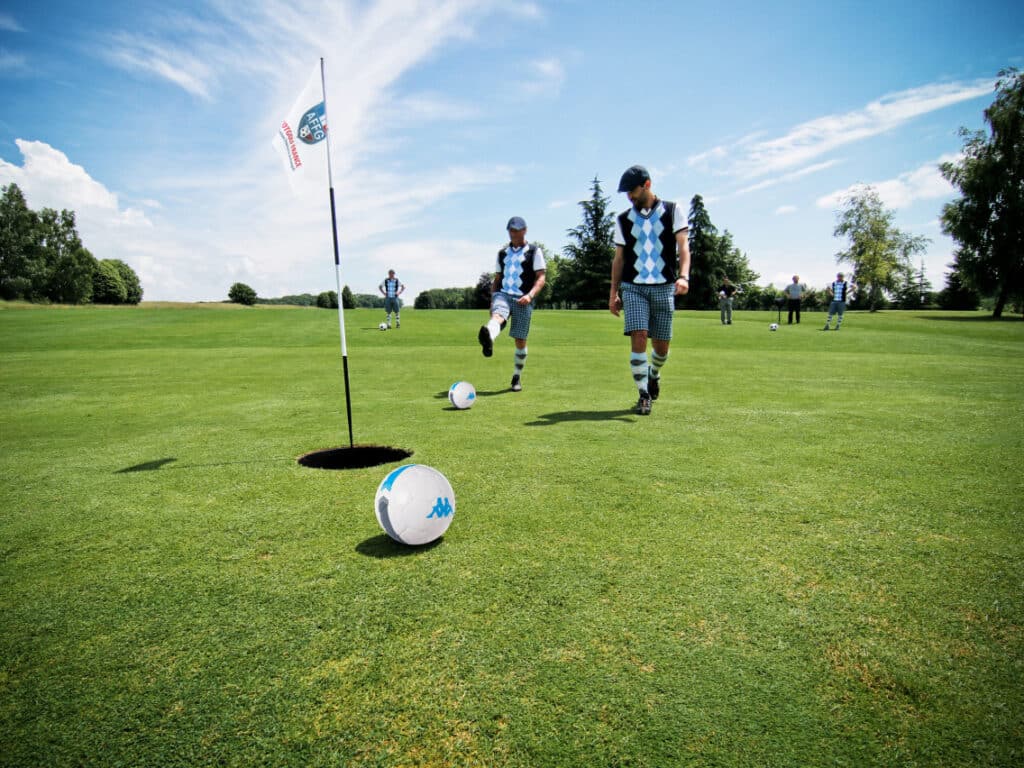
[{"x": 809, "y": 554}]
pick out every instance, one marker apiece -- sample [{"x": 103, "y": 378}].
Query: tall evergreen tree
[
  {"x": 704, "y": 244},
  {"x": 587, "y": 269},
  {"x": 988, "y": 220}
]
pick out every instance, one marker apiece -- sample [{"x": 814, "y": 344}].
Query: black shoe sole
[{"x": 486, "y": 341}]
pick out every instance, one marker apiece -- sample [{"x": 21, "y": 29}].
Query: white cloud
[
  {"x": 753, "y": 157},
  {"x": 547, "y": 77},
  {"x": 9, "y": 24},
  {"x": 12, "y": 62},
  {"x": 784, "y": 210},
  {"x": 788, "y": 177},
  {"x": 923, "y": 183}
]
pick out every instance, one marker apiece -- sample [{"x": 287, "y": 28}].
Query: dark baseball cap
[
  {"x": 634, "y": 177},
  {"x": 516, "y": 222}
]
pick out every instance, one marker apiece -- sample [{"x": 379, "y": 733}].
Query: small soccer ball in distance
[
  {"x": 462, "y": 395},
  {"x": 415, "y": 504},
  {"x": 773, "y": 327},
  {"x": 383, "y": 326}
]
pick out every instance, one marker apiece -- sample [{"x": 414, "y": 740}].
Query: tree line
[
  {"x": 42, "y": 258},
  {"x": 986, "y": 222}
]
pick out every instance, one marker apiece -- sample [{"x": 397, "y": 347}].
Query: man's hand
[{"x": 615, "y": 304}]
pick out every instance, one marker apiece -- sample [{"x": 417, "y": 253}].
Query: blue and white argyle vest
[{"x": 649, "y": 256}]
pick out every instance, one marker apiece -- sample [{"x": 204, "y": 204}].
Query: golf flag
[
  {"x": 302, "y": 135},
  {"x": 305, "y": 145}
]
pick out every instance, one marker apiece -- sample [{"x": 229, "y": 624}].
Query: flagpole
[{"x": 337, "y": 261}]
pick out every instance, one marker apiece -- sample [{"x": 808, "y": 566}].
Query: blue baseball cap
[
  {"x": 516, "y": 222},
  {"x": 634, "y": 177}
]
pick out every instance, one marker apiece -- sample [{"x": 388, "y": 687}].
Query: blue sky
[{"x": 154, "y": 122}]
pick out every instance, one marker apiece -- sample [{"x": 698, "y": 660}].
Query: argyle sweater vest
[{"x": 649, "y": 256}]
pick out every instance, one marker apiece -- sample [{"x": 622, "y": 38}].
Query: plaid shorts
[
  {"x": 648, "y": 308},
  {"x": 504, "y": 305}
]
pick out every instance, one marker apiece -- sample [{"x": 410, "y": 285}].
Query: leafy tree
[
  {"x": 587, "y": 269},
  {"x": 67, "y": 266},
  {"x": 987, "y": 221},
  {"x": 18, "y": 262},
  {"x": 482, "y": 291},
  {"x": 347, "y": 299},
  {"x": 879, "y": 252},
  {"x": 240, "y": 293},
  {"x": 107, "y": 285},
  {"x": 554, "y": 294},
  {"x": 133, "y": 286},
  {"x": 328, "y": 299}
]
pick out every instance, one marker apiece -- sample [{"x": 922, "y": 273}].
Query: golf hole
[{"x": 354, "y": 457}]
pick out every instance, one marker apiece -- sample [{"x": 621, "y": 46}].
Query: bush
[
  {"x": 327, "y": 300},
  {"x": 107, "y": 285},
  {"x": 240, "y": 293}
]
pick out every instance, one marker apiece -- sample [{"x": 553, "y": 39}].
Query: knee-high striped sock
[
  {"x": 519, "y": 361},
  {"x": 638, "y": 365},
  {"x": 657, "y": 361}
]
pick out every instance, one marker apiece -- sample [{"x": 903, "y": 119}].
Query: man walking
[
  {"x": 651, "y": 267},
  {"x": 794, "y": 293},
  {"x": 518, "y": 278},
  {"x": 392, "y": 288}
]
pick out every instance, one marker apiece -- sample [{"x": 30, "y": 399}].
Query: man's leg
[{"x": 518, "y": 362}]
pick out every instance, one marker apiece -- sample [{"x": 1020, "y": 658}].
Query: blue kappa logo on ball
[
  {"x": 313, "y": 125},
  {"x": 443, "y": 508}
]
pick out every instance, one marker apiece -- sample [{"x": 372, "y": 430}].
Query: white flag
[{"x": 302, "y": 135}]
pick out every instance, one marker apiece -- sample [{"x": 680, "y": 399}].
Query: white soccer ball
[
  {"x": 773, "y": 327},
  {"x": 462, "y": 395},
  {"x": 383, "y": 326},
  {"x": 415, "y": 504}
]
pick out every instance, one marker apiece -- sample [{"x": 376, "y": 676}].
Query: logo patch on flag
[{"x": 313, "y": 125}]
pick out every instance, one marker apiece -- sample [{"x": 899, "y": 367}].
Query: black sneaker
[
  {"x": 643, "y": 405},
  {"x": 486, "y": 341},
  {"x": 653, "y": 386},
  {"x": 516, "y": 385}
]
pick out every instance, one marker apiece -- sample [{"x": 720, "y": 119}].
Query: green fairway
[{"x": 811, "y": 553}]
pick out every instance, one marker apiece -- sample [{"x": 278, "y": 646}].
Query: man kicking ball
[{"x": 518, "y": 278}]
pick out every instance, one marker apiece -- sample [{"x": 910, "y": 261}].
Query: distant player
[
  {"x": 518, "y": 278},
  {"x": 794, "y": 294},
  {"x": 392, "y": 288},
  {"x": 840, "y": 293},
  {"x": 651, "y": 239}
]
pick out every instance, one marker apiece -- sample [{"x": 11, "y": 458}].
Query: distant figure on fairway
[
  {"x": 794, "y": 293},
  {"x": 392, "y": 288},
  {"x": 840, "y": 293},
  {"x": 725, "y": 294},
  {"x": 518, "y": 278},
  {"x": 651, "y": 238}
]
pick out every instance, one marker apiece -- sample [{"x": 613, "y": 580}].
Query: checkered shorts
[
  {"x": 504, "y": 305},
  {"x": 648, "y": 308}
]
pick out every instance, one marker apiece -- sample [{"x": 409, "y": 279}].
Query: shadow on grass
[
  {"x": 147, "y": 466},
  {"x": 981, "y": 319},
  {"x": 479, "y": 393},
  {"x": 547, "y": 419},
  {"x": 153, "y": 466},
  {"x": 383, "y": 546}
]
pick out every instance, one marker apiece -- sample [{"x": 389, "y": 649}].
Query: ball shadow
[{"x": 383, "y": 546}]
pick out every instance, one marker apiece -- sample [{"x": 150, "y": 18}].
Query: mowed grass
[{"x": 810, "y": 554}]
